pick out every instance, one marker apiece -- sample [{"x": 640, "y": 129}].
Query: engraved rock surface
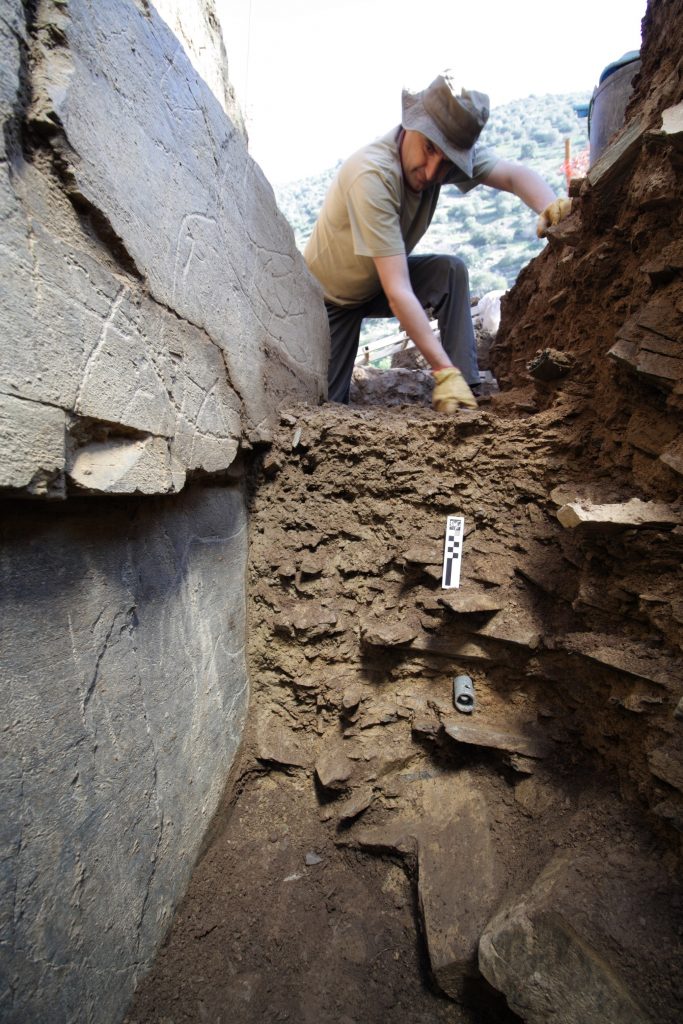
[
  {"x": 149, "y": 282},
  {"x": 155, "y": 315}
]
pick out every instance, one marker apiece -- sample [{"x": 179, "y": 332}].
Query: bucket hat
[{"x": 452, "y": 122}]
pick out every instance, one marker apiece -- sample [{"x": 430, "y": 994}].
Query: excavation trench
[{"x": 380, "y": 857}]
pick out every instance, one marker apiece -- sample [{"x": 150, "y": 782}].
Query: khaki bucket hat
[{"x": 452, "y": 122}]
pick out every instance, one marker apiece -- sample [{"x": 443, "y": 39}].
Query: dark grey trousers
[{"x": 439, "y": 282}]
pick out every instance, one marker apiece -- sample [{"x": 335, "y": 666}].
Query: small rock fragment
[
  {"x": 381, "y": 714},
  {"x": 426, "y": 723},
  {"x": 521, "y": 764},
  {"x": 514, "y": 625},
  {"x": 276, "y": 745},
  {"x": 389, "y": 634},
  {"x": 334, "y": 770},
  {"x": 307, "y": 619},
  {"x": 535, "y": 797},
  {"x": 271, "y": 465},
  {"x": 351, "y": 698},
  {"x": 356, "y": 804},
  {"x": 312, "y": 564},
  {"x": 312, "y": 858},
  {"x": 671, "y": 811},
  {"x": 549, "y": 363}
]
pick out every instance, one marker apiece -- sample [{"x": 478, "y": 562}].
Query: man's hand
[
  {"x": 552, "y": 215},
  {"x": 451, "y": 391}
]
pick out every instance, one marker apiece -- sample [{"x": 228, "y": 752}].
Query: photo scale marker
[{"x": 452, "y": 554}]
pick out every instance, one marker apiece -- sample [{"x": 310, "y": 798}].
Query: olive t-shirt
[{"x": 370, "y": 211}]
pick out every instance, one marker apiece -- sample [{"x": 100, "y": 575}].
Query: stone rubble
[{"x": 569, "y": 643}]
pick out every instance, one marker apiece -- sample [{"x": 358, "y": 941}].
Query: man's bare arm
[
  {"x": 529, "y": 186},
  {"x": 404, "y": 304}
]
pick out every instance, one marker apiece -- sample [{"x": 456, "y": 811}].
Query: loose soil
[{"x": 315, "y": 899}]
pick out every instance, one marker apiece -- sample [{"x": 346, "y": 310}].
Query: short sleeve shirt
[{"x": 369, "y": 211}]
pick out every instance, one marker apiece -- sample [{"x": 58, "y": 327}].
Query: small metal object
[{"x": 463, "y": 694}]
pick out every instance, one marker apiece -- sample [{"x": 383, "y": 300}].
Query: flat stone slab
[
  {"x": 633, "y": 513},
  {"x": 425, "y": 554},
  {"x": 469, "y": 602},
  {"x": 618, "y": 156},
  {"x": 623, "y": 655},
  {"x": 446, "y": 821},
  {"x": 447, "y": 647},
  {"x": 457, "y": 885},
  {"x": 473, "y": 733}
]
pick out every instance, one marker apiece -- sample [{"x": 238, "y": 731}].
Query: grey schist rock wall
[
  {"x": 124, "y": 699},
  {"x": 155, "y": 315}
]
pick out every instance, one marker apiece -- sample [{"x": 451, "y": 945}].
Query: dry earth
[{"x": 373, "y": 833}]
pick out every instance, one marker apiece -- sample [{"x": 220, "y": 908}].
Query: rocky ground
[{"x": 383, "y": 857}]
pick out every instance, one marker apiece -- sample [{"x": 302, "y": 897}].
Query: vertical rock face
[
  {"x": 197, "y": 27},
  {"x": 122, "y": 638},
  {"x": 155, "y": 313},
  {"x": 151, "y": 288}
]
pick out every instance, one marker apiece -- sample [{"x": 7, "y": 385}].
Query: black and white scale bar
[{"x": 452, "y": 552}]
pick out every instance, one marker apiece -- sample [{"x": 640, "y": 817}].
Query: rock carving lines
[
  {"x": 106, "y": 325},
  {"x": 185, "y": 234}
]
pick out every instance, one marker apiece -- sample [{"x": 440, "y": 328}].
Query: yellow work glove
[
  {"x": 451, "y": 391},
  {"x": 552, "y": 215}
]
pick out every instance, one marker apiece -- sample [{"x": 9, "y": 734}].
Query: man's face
[{"x": 423, "y": 163}]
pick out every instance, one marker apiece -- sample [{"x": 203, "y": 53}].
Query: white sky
[{"x": 316, "y": 79}]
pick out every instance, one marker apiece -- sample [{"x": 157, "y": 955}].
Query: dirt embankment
[
  {"x": 381, "y": 842},
  {"x": 607, "y": 292}
]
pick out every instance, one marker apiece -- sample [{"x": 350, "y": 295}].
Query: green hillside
[{"x": 492, "y": 231}]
